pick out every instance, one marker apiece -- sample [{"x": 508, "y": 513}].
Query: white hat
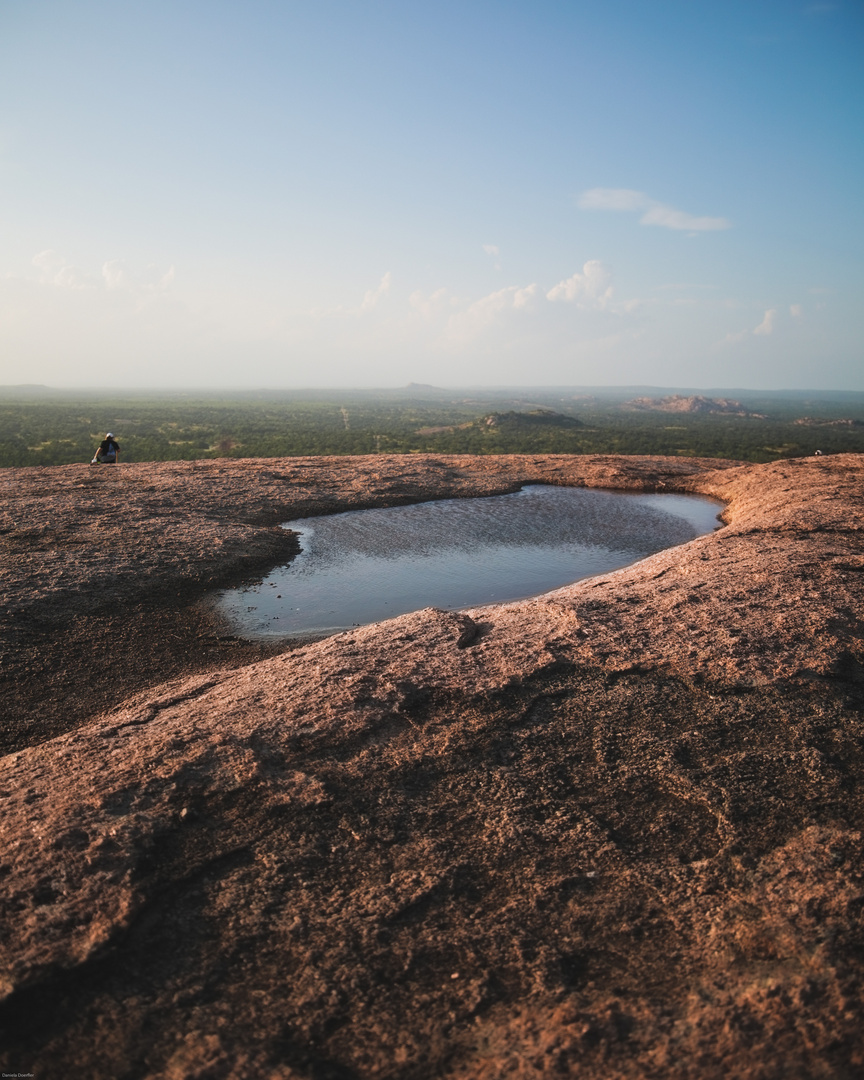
[{"x": 109, "y": 436}]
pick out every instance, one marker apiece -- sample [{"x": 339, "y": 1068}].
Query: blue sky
[{"x": 366, "y": 194}]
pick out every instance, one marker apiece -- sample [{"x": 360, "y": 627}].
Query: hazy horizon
[
  {"x": 421, "y": 388},
  {"x": 218, "y": 198}
]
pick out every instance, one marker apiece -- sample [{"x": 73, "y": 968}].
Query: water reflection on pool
[{"x": 367, "y": 565}]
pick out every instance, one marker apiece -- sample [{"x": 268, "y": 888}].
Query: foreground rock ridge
[{"x": 614, "y": 831}]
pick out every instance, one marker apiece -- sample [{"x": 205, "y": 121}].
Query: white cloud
[
  {"x": 764, "y": 329},
  {"x": 49, "y": 262},
  {"x": 591, "y": 288},
  {"x": 491, "y": 309},
  {"x": 678, "y": 219},
  {"x": 522, "y": 297},
  {"x": 795, "y": 311},
  {"x": 494, "y": 252},
  {"x": 511, "y": 297},
  {"x": 429, "y": 306},
  {"x": 54, "y": 270},
  {"x": 370, "y": 300},
  {"x": 767, "y": 325},
  {"x": 116, "y": 276},
  {"x": 654, "y": 213},
  {"x": 612, "y": 199}
]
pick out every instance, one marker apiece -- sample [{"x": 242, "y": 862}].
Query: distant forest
[{"x": 39, "y": 426}]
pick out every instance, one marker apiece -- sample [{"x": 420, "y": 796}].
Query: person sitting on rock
[{"x": 108, "y": 452}]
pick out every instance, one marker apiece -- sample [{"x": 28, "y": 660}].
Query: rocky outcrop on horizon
[
  {"x": 816, "y": 421},
  {"x": 694, "y": 403},
  {"x": 614, "y": 831}
]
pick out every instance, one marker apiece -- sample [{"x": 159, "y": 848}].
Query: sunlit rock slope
[{"x": 611, "y": 832}]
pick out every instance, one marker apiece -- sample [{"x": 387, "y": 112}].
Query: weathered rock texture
[{"x": 611, "y": 832}]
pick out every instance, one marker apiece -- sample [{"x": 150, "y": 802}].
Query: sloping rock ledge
[{"x": 611, "y": 832}]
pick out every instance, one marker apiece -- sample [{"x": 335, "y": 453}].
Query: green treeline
[{"x": 55, "y": 428}]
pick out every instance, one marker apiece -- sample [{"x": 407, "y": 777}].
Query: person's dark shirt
[{"x": 109, "y": 446}]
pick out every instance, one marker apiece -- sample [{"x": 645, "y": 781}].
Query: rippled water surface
[{"x": 367, "y": 565}]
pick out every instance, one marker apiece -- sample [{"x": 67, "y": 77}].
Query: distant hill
[
  {"x": 17, "y": 389},
  {"x": 511, "y": 422},
  {"x": 536, "y": 418},
  {"x": 695, "y": 403}
]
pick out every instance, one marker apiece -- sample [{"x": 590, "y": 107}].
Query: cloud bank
[{"x": 116, "y": 275}]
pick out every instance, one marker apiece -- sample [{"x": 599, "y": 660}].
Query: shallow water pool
[{"x": 367, "y": 565}]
